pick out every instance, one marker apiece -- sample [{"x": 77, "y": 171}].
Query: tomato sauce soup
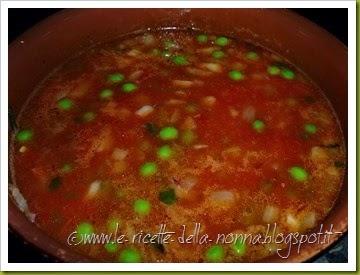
[{"x": 177, "y": 128}]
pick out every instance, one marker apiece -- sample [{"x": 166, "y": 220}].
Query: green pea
[
  {"x": 142, "y": 207},
  {"x": 180, "y": 60},
  {"x": 239, "y": 247},
  {"x": 287, "y": 74},
  {"x": 129, "y": 87},
  {"x": 168, "y": 133},
  {"x": 165, "y": 152},
  {"x": 236, "y": 75},
  {"x": 188, "y": 137},
  {"x": 106, "y": 94},
  {"x": 310, "y": 128},
  {"x": 66, "y": 168},
  {"x": 148, "y": 169},
  {"x": 217, "y": 54},
  {"x": 298, "y": 173},
  {"x": 65, "y": 103},
  {"x": 202, "y": 38},
  {"x": 130, "y": 255},
  {"x": 167, "y": 196},
  {"x": 273, "y": 70},
  {"x": 115, "y": 78},
  {"x": 222, "y": 41},
  {"x": 88, "y": 116},
  {"x": 215, "y": 253},
  {"x": 258, "y": 125},
  {"x": 252, "y": 56},
  {"x": 24, "y": 135},
  {"x": 84, "y": 228},
  {"x": 111, "y": 247}
]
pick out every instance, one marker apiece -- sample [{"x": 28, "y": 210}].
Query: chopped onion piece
[
  {"x": 174, "y": 101},
  {"x": 112, "y": 109},
  {"x": 144, "y": 111},
  {"x": 209, "y": 101},
  {"x": 23, "y": 149},
  {"x": 181, "y": 93},
  {"x": 292, "y": 222},
  {"x": 213, "y": 67},
  {"x": 231, "y": 152},
  {"x": 148, "y": 39},
  {"x": 223, "y": 196},
  {"x": 119, "y": 154},
  {"x": 21, "y": 202},
  {"x": 184, "y": 186},
  {"x": 183, "y": 83},
  {"x": 19, "y": 198},
  {"x": 233, "y": 112},
  {"x": 200, "y": 146},
  {"x": 102, "y": 142},
  {"x": 189, "y": 124},
  {"x": 271, "y": 214},
  {"x": 188, "y": 182},
  {"x": 309, "y": 220},
  {"x": 333, "y": 171},
  {"x": 175, "y": 116},
  {"x": 134, "y": 53},
  {"x": 135, "y": 75},
  {"x": 248, "y": 114},
  {"x": 94, "y": 188},
  {"x": 318, "y": 154}
]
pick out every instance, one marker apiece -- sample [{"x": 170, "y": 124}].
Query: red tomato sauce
[{"x": 257, "y": 143}]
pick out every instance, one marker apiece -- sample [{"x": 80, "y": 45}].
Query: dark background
[{"x": 333, "y": 20}]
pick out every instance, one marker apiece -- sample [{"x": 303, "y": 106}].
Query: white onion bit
[
  {"x": 222, "y": 196},
  {"x": 135, "y": 75},
  {"x": 213, "y": 67},
  {"x": 148, "y": 39},
  {"x": 233, "y": 112},
  {"x": 189, "y": 123},
  {"x": 144, "y": 111},
  {"x": 248, "y": 114},
  {"x": 134, "y": 53},
  {"x": 271, "y": 214},
  {"x": 182, "y": 83},
  {"x": 119, "y": 154},
  {"x": 94, "y": 188},
  {"x": 209, "y": 101},
  {"x": 200, "y": 146},
  {"x": 292, "y": 222},
  {"x": 174, "y": 101},
  {"x": 309, "y": 220}
]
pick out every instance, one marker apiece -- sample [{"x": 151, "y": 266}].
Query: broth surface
[{"x": 177, "y": 128}]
